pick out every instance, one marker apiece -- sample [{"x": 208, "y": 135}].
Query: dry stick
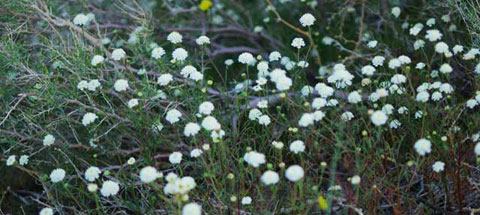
[
  {"x": 305, "y": 33},
  {"x": 13, "y": 108}
]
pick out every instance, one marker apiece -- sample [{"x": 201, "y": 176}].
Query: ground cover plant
[{"x": 239, "y": 107}]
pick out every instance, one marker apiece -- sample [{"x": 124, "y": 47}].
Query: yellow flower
[
  {"x": 205, "y": 5},
  {"x": 322, "y": 202}
]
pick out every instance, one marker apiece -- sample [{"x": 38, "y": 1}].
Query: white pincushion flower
[
  {"x": 196, "y": 153},
  {"x": 274, "y": 56},
  {"x": 433, "y": 35},
  {"x": 418, "y": 44},
  {"x": 446, "y": 68},
  {"x": 210, "y": 123},
  {"x": 283, "y": 83},
  {"x": 431, "y": 22},
  {"x": 89, "y": 118},
  {"x": 420, "y": 65},
  {"x": 446, "y": 88},
  {"x": 457, "y": 49},
  {"x": 23, "y": 160},
  {"x": 324, "y": 90},
  {"x": 164, "y": 79},
  {"x": 11, "y": 160},
  {"x": 269, "y": 177},
  {"x": 246, "y": 200},
  {"x": 471, "y": 103},
  {"x": 436, "y": 96},
  {"x": 174, "y": 37},
  {"x": 302, "y": 64},
  {"x": 354, "y": 97},
  {"x": 109, "y": 188},
  {"x": 394, "y": 63},
  {"x": 332, "y": 103},
  {"x": 92, "y": 187},
  {"x": 173, "y": 116},
  {"x": 416, "y": 29},
  {"x": 118, "y": 54},
  {"x": 477, "y": 149},
  {"x": 294, "y": 173},
  {"x": 264, "y": 120},
  {"x": 46, "y": 211},
  {"x": 368, "y": 70},
  {"x": 196, "y": 76},
  {"x": 398, "y": 79},
  {"x": 423, "y": 96},
  {"x": 404, "y": 59},
  {"x": 192, "y": 209},
  {"x": 262, "y": 68},
  {"x": 175, "y": 157},
  {"x": 148, "y": 174},
  {"x": 318, "y": 115},
  {"x": 423, "y": 146},
  {"x": 438, "y": 166},
  {"x": 191, "y": 129},
  {"x": 277, "y": 144},
  {"x": 97, "y": 59},
  {"x": 297, "y": 146},
  {"x": 179, "y": 54},
  {"x": 158, "y": 52},
  {"x": 298, "y": 43},
  {"x": 327, "y": 40},
  {"x": 340, "y": 77},
  {"x": 441, "y": 47},
  {"x": 254, "y": 158},
  {"x": 57, "y": 175},
  {"x": 93, "y": 85},
  {"x": 81, "y": 19},
  {"x": 395, "y": 124},
  {"x": 378, "y": 61},
  {"x": 132, "y": 103},
  {"x": 82, "y": 85},
  {"x": 307, "y": 20},
  {"x": 246, "y": 58},
  {"x": 347, "y": 116},
  {"x": 306, "y": 120},
  {"x": 202, "y": 40},
  {"x": 396, "y": 12},
  {"x": 379, "y": 118},
  {"x": 48, "y": 140},
  {"x": 228, "y": 62},
  {"x": 92, "y": 173},
  {"x": 319, "y": 103},
  {"x": 120, "y": 85},
  {"x": 188, "y": 70},
  {"x": 206, "y": 108},
  {"x": 372, "y": 44},
  {"x": 262, "y": 104},
  {"x": 388, "y": 109}
]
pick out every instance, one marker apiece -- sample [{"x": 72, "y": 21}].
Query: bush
[{"x": 239, "y": 107}]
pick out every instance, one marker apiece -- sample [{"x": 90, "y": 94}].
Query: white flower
[
  {"x": 395, "y": 124},
  {"x": 420, "y": 65},
  {"x": 378, "y": 61},
  {"x": 118, "y": 54},
  {"x": 262, "y": 104},
  {"x": 206, "y": 108},
  {"x": 431, "y": 22},
  {"x": 196, "y": 153},
  {"x": 148, "y": 174},
  {"x": 347, "y": 116},
  {"x": 297, "y": 146},
  {"x": 158, "y": 52},
  {"x": 368, "y": 70},
  {"x": 438, "y": 166},
  {"x": 89, "y": 118},
  {"x": 192, "y": 209},
  {"x": 307, "y": 20},
  {"x": 254, "y": 158},
  {"x": 179, "y": 54},
  {"x": 82, "y": 85},
  {"x": 246, "y": 58},
  {"x": 436, "y": 96},
  {"x": 398, "y": 79},
  {"x": 23, "y": 160},
  {"x": 210, "y": 123},
  {"x": 306, "y": 120},
  {"x": 284, "y": 83},
  {"x": 379, "y": 118},
  {"x": 394, "y": 63},
  {"x": 423, "y": 96},
  {"x": 57, "y": 175},
  {"x": 188, "y": 70},
  {"x": 264, "y": 120},
  {"x": 341, "y": 77},
  {"x": 433, "y": 35},
  {"x": 92, "y": 173},
  {"x": 446, "y": 88},
  {"x": 196, "y": 76},
  {"x": 97, "y": 59},
  {"x": 191, "y": 129},
  {"x": 354, "y": 97},
  {"x": 120, "y": 85},
  {"x": 457, "y": 49},
  {"x": 131, "y": 161},
  {"x": 423, "y": 146},
  {"x": 471, "y": 103},
  {"x": 46, "y": 211},
  {"x": 355, "y": 180},
  {"x": 270, "y": 177},
  {"x": 132, "y": 103},
  {"x": 404, "y": 59},
  {"x": 173, "y": 116},
  {"x": 372, "y": 44},
  {"x": 388, "y": 109},
  {"x": 446, "y": 68},
  {"x": 92, "y": 187},
  {"x": 164, "y": 79},
  {"x": 319, "y": 103},
  {"x": 175, "y": 157},
  {"x": 294, "y": 173},
  {"x": 277, "y": 144},
  {"x": 174, "y": 37},
  {"x": 416, "y": 29},
  {"x": 202, "y": 40},
  {"x": 48, "y": 140},
  {"x": 274, "y": 56},
  {"x": 318, "y": 115},
  {"x": 303, "y": 64},
  {"x": 93, "y": 85},
  {"x": 109, "y": 188},
  {"x": 11, "y": 160},
  {"x": 396, "y": 12},
  {"x": 477, "y": 149},
  {"x": 418, "y": 44},
  {"x": 298, "y": 43},
  {"x": 228, "y": 62},
  {"x": 441, "y": 47},
  {"x": 81, "y": 19},
  {"x": 418, "y": 114}
]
